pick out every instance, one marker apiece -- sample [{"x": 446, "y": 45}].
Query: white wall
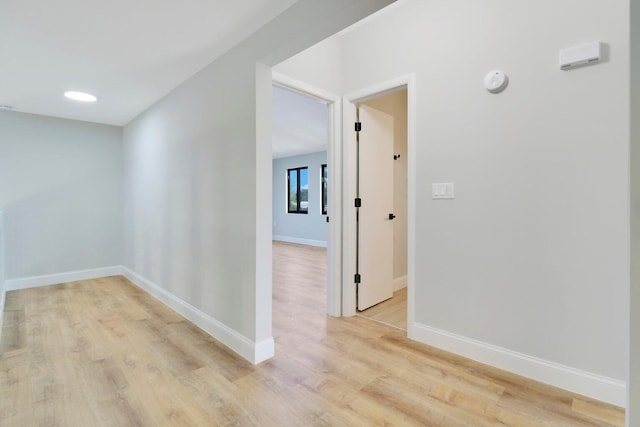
[
  {"x": 395, "y": 104},
  {"x": 528, "y": 268},
  {"x": 60, "y": 190},
  {"x": 534, "y": 249},
  {"x": 310, "y": 228},
  {"x": 633, "y": 403},
  {"x": 198, "y": 181},
  {"x": 320, "y": 65}
]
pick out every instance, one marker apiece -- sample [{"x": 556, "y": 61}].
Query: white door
[{"x": 375, "y": 257}]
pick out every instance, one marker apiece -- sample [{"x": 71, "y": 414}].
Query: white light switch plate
[{"x": 442, "y": 190}]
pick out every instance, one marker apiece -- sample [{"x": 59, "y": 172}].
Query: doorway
[
  {"x": 381, "y": 221},
  {"x": 404, "y": 88},
  {"x": 341, "y": 290},
  {"x": 323, "y": 204}
]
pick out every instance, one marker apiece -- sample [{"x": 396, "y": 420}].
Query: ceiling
[
  {"x": 300, "y": 124},
  {"x": 129, "y": 53}
]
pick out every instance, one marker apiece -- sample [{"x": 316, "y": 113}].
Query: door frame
[
  {"x": 349, "y": 103},
  {"x": 334, "y": 208}
]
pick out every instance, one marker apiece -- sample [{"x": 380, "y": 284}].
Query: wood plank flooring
[
  {"x": 103, "y": 352},
  {"x": 390, "y": 312}
]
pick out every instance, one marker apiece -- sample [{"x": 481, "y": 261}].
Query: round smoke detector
[{"x": 496, "y": 81}]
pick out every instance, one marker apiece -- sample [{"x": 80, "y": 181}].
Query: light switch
[{"x": 442, "y": 190}]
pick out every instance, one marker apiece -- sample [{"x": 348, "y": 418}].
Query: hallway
[
  {"x": 103, "y": 352},
  {"x": 369, "y": 372}
]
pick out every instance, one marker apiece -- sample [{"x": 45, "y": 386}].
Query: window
[
  {"x": 298, "y": 190},
  {"x": 324, "y": 178}
]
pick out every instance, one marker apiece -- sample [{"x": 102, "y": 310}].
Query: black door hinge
[
  {"x": 356, "y": 278},
  {"x": 327, "y": 219},
  {"x": 358, "y": 202},
  {"x": 358, "y": 126}
]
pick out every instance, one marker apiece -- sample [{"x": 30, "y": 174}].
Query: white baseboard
[
  {"x": 253, "y": 352},
  {"x": 3, "y": 294},
  {"x": 588, "y": 384},
  {"x": 264, "y": 350},
  {"x": 308, "y": 242},
  {"x": 3, "y": 285},
  {"x": 54, "y": 279},
  {"x": 399, "y": 283}
]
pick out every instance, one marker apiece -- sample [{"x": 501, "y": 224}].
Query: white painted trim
[
  {"x": 334, "y": 160},
  {"x": 348, "y": 185},
  {"x": 399, "y": 283},
  {"x": 380, "y": 89},
  {"x": 3, "y": 294},
  {"x": 348, "y": 214},
  {"x": 290, "y": 83},
  {"x": 254, "y": 353},
  {"x": 262, "y": 298},
  {"x": 334, "y": 213},
  {"x": 578, "y": 381},
  {"x": 3, "y": 287},
  {"x": 54, "y": 279},
  {"x": 411, "y": 199},
  {"x": 263, "y": 350},
  {"x": 299, "y": 241}
]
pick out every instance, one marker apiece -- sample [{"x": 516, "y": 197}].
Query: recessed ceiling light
[{"x": 80, "y": 96}]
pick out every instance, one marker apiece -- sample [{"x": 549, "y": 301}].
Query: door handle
[{"x": 391, "y": 216}]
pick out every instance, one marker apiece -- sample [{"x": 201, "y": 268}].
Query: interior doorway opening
[
  {"x": 404, "y": 89},
  {"x": 381, "y": 220},
  {"x": 305, "y": 197}
]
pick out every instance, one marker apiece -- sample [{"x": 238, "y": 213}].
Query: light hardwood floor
[
  {"x": 391, "y": 312},
  {"x": 103, "y": 352}
]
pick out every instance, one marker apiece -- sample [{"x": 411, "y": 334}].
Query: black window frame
[
  {"x": 324, "y": 189},
  {"x": 298, "y": 191}
]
